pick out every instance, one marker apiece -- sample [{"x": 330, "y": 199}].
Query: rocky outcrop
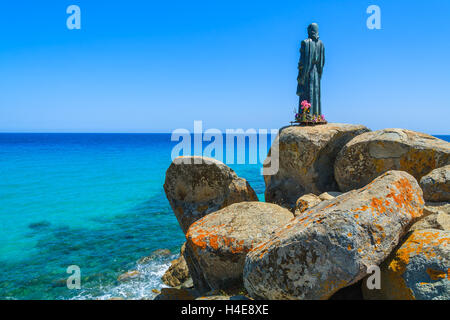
[
  {"x": 306, "y": 160},
  {"x": 306, "y": 202},
  {"x": 332, "y": 245},
  {"x": 178, "y": 272},
  {"x": 419, "y": 269},
  {"x": 217, "y": 244},
  {"x": 197, "y": 186},
  {"x": 437, "y": 216},
  {"x": 329, "y": 195},
  {"x": 129, "y": 275},
  {"x": 436, "y": 185},
  {"x": 371, "y": 154},
  {"x": 154, "y": 255}
]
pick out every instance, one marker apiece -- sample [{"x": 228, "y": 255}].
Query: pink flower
[{"x": 305, "y": 105}]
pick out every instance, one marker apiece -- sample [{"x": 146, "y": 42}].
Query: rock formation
[
  {"x": 197, "y": 186},
  {"x": 371, "y": 154},
  {"x": 436, "y": 185},
  {"x": 238, "y": 248},
  {"x": 306, "y": 202},
  {"x": 217, "y": 244},
  {"x": 418, "y": 270},
  {"x": 436, "y": 216},
  {"x": 329, "y": 195},
  {"x": 306, "y": 161},
  {"x": 178, "y": 271},
  {"x": 332, "y": 245}
]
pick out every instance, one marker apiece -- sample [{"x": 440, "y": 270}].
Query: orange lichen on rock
[
  {"x": 202, "y": 239},
  {"x": 199, "y": 241},
  {"x": 363, "y": 208},
  {"x": 327, "y": 288},
  {"x": 437, "y": 274},
  {"x": 395, "y": 280},
  {"x": 404, "y": 195},
  {"x": 378, "y": 205},
  {"x": 418, "y": 162},
  {"x": 419, "y": 243},
  {"x": 379, "y": 165},
  {"x": 214, "y": 242}
]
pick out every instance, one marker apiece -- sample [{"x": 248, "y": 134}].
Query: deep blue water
[{"x": 92, "y": 200}]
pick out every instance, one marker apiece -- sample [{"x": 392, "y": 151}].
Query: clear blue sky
[{"x": 154, "y": 66}]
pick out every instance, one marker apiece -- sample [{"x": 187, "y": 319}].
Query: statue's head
[{"x": 313, "y": 31}]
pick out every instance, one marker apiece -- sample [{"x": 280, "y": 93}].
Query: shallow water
[{"x": 92, "y": 200}]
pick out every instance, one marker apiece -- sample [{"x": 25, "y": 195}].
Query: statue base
[{"x": 308, "y": 123}]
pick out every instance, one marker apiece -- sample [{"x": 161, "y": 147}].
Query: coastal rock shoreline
[
  {"x": 341, "y": 218},
  {"x": 306, "y": 161}
]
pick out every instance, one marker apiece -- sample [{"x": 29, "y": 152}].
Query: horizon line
[{"x": 108, "y": 132}]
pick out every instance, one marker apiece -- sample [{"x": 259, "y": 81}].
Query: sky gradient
[{"x": 155, "y": 66}]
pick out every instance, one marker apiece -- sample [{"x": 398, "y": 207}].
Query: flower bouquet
[{"x": 305, "y": 118}]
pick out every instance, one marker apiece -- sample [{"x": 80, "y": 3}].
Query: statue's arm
[
  {"x": 322, "y": 59},
  {"x": 301, "y": 63}
]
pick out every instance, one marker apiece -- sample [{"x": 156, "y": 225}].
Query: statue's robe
[{"x": 310, "y": 67}]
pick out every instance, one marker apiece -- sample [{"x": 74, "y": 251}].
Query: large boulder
[
  {"x": 436, "y": 185},
  {"x": 418, "y": 270},
  {"x": 371, "y": 154},
  {"x": 178, "y": 271},
  {"x": 217, "y": 244},
  {"x": 306, "y": 202},
  {"x": 197, "y": 186},
  {"x": 332, "y": 245},
  {"x": 306, "y": 160},
  {"x": 437, "y": 216},
  {"x": 329, "y": 195}
]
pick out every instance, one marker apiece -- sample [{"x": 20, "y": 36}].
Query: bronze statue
[{"x": 310, "y": 67}]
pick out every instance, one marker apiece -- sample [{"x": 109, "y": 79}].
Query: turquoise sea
[{"x": 91, "y": 200}]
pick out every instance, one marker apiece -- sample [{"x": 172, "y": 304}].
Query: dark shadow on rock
[{"x": 352, "y": 292}]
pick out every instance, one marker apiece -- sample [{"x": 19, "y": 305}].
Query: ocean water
[{"x": 91, "y": 200}]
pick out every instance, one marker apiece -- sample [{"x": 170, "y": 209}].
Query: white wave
[{"x": 136, "y": 288}]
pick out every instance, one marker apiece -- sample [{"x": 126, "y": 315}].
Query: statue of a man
[{"x": 310, "y": 67}]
